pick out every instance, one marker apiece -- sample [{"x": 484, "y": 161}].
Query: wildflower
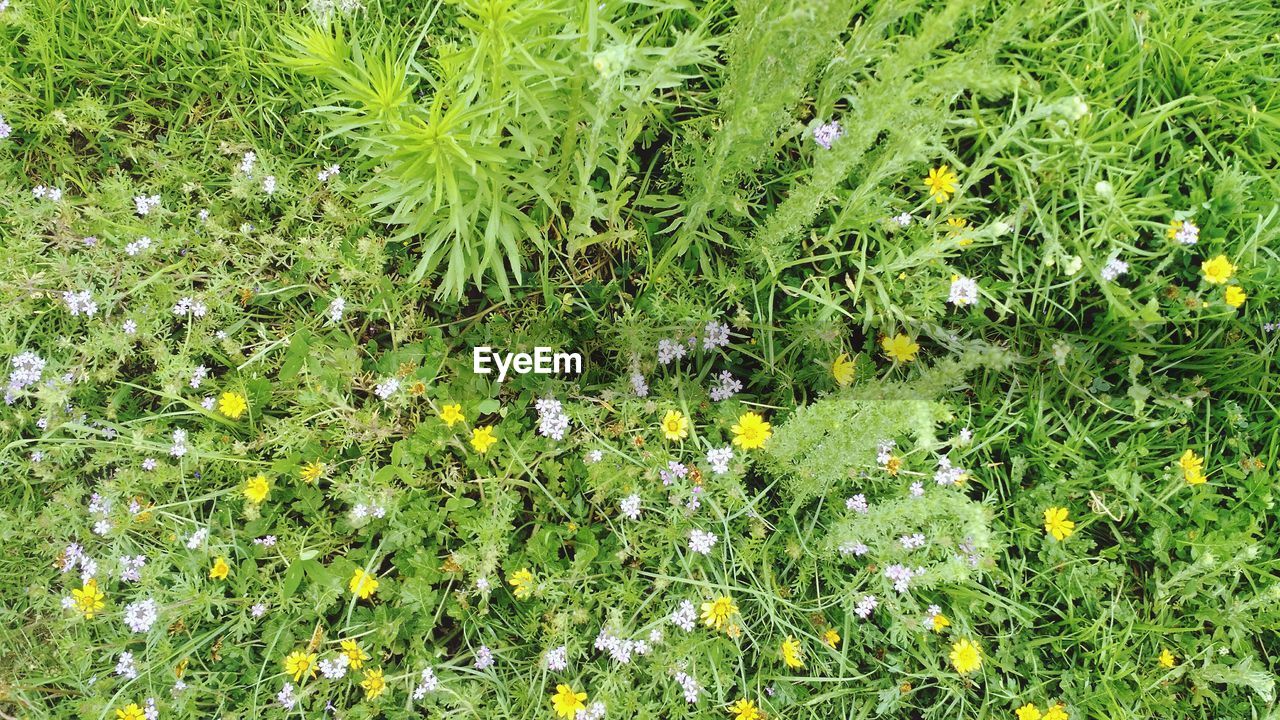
[
  {"x": 715, "y": 335},
  {"x": 1217, "y": 270},
  {"x": 144, "y": 204},
  {"x": 451, "y": 414},
  {"x": 299, "y": 663},
  {"x": 917, "y": 489},
  {"x": 675, "y": 426},
  {"x": 745, "y": 709},
  {"x": 831, "y": 637},
  {"x": 232, "y": 404},
  {"x": 131, "y": 567},
  {"x": 964, "y": 291},
  {"x": 936, "y": 620},
  {"x": 386, "y": 388},
  {"x": 258, "y": 610},
  {"x": 328, "y": 173},
  {"x": 701, "y": 542},
  {"x": 5, "y": 128},
  {"x": 902, "y": 219},
  {"x": 690, "y": 687},
  {"x": 311, "y": 472},
  {"x": 125, "y": 666},
  {"x": 792, "y": 654},
  {"x": 285, "y": 697},
  {"x": 866, "y": 606},
  {"x": 719, "y": 458},
  {"x": 966, "y": 657},
  {"x": 638, "y": 385},
  {"x": 269, "y": 185},
  {"x": 428, "y": 682},
  {"x": 373, "y": 684},
  {"x": 901, "y": 576},
  {"x": 247, "y": 162},
  {"x": 362, "y": 584},
  {"x": 1192, "y": 467},
  {"x": 630, "y": 507},
  {"x": 557, "y": 659},
  {"x": 1057, "y": 712},
  {"x": 669, "y": 351},
  {"x": 354, "y": 653},
  {"x": 141, "y": 615},
  {"x": 89, "y": 599},
  {"x": 941, "y": 183},
  {"x": 1057, "y": 524},
  {"x": 593, "y": 457},
  {"x": 1028, "y": 712},
  {"x": 335, "y": 669},
  {"x": 482, "y": 438},
  {"x": 716, "y": 613},
  {"x": 1167, "y": 659},
  {"x": 726, "y": 386},
  {"x": 130, "y": 712},
  {"x": 522, "y": 581},
  {"x": 484, "y": 658},
  {"x": 1184, "y": 231},
  {"x": 899, "y": 348},
  {"x": 220, "y": 569},
  {"x": 826, "y": 134},
  {"x": 1234, "y": 296},
  {"x": 197, "y": 538},
  {"x": 842, "y": 369},
  {"x": 1114, "y": 268},
  {"x": 257, "y": 488},
  {"x": 552, "y": 421},
  {"x": 684, "y": 616},
  {"x": 751, "y": 431},
  {"x": 912, "y": 542},
  {"x": 567, "y": 703},
  {"x": 80, "y": 303},
  {"x": 336, "y": 307}
]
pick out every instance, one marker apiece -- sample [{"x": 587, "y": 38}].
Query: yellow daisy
[
  {"x": 751, "y": 431},
  {"x": 482, "y": 439},
  {"x": 899, "y": 348},
  {"x": 675, "y": 426},
  {"x": 232, "y": 404}
]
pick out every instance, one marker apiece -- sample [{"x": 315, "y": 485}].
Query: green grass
[{"x": 608, "y": 178}]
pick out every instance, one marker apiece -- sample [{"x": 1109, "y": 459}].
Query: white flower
[
  {"x": 258, "y": 610},
  {"x": 484, "y": 658},
  {"x": 917, "y": 489},
  {"x": 198, "y": 376},
  {"x": 857, "y": 503},
  {"x": 269, "y": 185},
  {"x": 593, "y": 457},
  {"x": 701, "y": 542},
  {"x": 1188, "y": 233},
  {"x": 179, "y": 446},
  {"x": 335, "y": 669},
  {"x": 912, "y": 542},
  {"x": 285, "y": 697},
  {"x": 690, "y": 687},
  {"x": 638, "y": 385},
  {"x": 140, "y": 616},
  {"x": 901, "y": 575},
  {"x": 552, "y": 422},
  {"x": 726, "y": 387},
  {"x": 865, "y": 606},
  {"x": 80, "y": 303},
  {"x": 630, "y": 507},
  {"x": 335, "y": 309},
  {"x": 684, "y": 616},
  {"x": 328, "y": 173},
  {"x": 137, "y": 246},
  {"x": 125, "y": 666},
  {"x": 669, "y": 350},
  {"x": 387, "y": 388},
  {"x": 428, "y": 682},
  {"x": 557, "y": 659},
  {"x": 826, "y": 134},
  {"x": 247, "y": 162},
  {"x": 903, "y": 220},
  {"x": 144, "y": 204},
  {"x": 197, "y": 538},
  {"x": 718, "y": 459},
  {"x": 482, "y": 584},
  {"x": 131, "y": 567},
  {"x": 129, "y": 327},
  {"x": 5, "y": 128},
  {"x": 964, "y": 291},
  {"x": 715, "y": 335},
  {"x": 1114, "y": 268}
]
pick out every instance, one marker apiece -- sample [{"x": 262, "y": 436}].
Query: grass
[{"x": 619, "y": 180}]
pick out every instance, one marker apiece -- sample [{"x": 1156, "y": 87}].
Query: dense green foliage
[{"x": 321, "y": 209}]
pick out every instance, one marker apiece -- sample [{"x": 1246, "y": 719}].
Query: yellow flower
[
  {"x": 716, "y": 613},
  {"x": 745, "y": 709},
  {"x": 1234, "y": 296},
  {"x": 130, "y": 712},
  {"x": 220, "y": 569},
  {"x": 751, "y": 432},
  {"x": 522, "y": 581},
  {"x": 232, "y": 404},
  {"x": 893, "y": 465},
  {"x": 567, "y": 703},
  {"x": 1057, "y": 524},
  {"x": 373, "y": 683},
  {"x": 1057, "y": 712},
  {"x": 1167, "y": 660},
  {"x": 843, "y": 370},
  {"x": 941, "y": 183},
  {"x": 311, "y": 472},
  {"x": 1028, "y": 712},
  {"x": 1171, "y": 232},
  {"x": 675, "y": 426},
  {"x": 792, "y": 654},
  {"x": 362, "y": 584},
  {"x": 965, "y": 656},
  {"x": 257, "y": 488},
  {"x": 89, "y": 599},
  {"x": 451, "y": 414},
  {"x": 899, "y": 348},
  {"x": 1218, "y": 270},
  {"x": 482, "y": 439},
  {"x": 940, "y": 622},
  {"x": 355, "y": 654},
  {"x": 831, "y": 637},
  {"x": 1192, "y": 467},
  {"x": 300, "y": 663}
]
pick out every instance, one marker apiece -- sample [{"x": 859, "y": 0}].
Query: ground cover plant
[{"x": 929, "y": 359}]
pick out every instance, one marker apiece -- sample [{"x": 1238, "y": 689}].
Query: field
[{"x": 928, "y": 359}]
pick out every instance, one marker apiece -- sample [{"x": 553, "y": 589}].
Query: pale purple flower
[
  {"x": 638, "y": 385},
  {"x": 484, "y": 658},
  {"x": 684, "y": 616},
  {"x": 690, "y": 687},
  {"x": 140, "y": 616},
  {"x": 726, "y": 386},
  {"x": 718, "y": 459},
  {"x": 557, "y": 659},
  {"x": 630, "y": 507},
  {"x": 857, "y": 503},
  {"x": 669, "y": 351},
  {"x": 1188, "y": 233},
  {"x": 826, "y": 134},
  {"x": 715, "y": 335},
  {"x": 865, "y": 606},
  {"x": 701, "y": 541}
]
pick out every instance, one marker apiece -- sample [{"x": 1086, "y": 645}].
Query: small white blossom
[
  {"x": 387, "y": 388},
  {"x": 1114, "y": 268},
  {"x": 630, "y": 507},
  {"x": 684, "y": 616},
  {"x": 557, "y": 659},
  {"x": 964, "y": 291},
  {"x": 719, "y": 458},
  {"x": 701, "y": 542},
  {"x": 144, "y": 204},
  {"x": 827, "y": 134},
  {"x": 141, "y": 615}
]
